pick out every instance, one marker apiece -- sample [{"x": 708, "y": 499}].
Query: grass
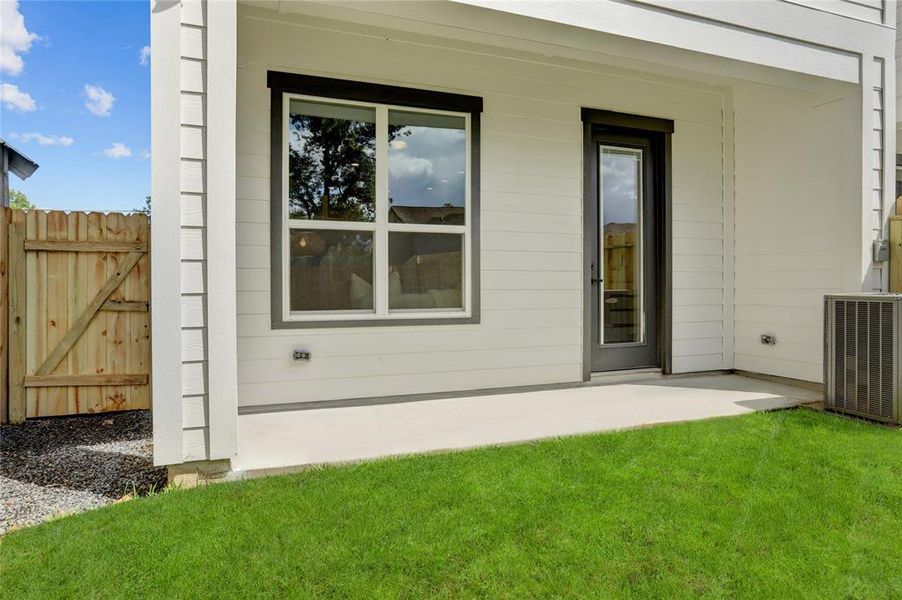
[{"x": 789, "y": 504}]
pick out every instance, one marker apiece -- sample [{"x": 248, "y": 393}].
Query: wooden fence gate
[{"x": 77, "y": 338}]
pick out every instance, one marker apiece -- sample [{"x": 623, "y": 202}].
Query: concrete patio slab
[{"x": 284, "y": 441}]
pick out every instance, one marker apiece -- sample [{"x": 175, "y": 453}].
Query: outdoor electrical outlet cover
[{"x": 881, "y": 250}]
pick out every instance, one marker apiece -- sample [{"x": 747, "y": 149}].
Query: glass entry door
[{"x": 624, "y": 265}]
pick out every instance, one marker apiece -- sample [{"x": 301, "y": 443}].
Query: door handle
[{"x": 594, "y": 280}]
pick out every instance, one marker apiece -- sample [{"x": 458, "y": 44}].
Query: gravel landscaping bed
[{"x": 56, "y": 466}]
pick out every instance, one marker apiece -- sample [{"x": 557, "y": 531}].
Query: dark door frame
[{"x": 660, "y": 131}]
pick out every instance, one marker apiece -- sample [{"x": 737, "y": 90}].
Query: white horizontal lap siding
[
  {"x": 796, "y": 232},
  {"x": 698, "y": 282},
  {"x": 530, "y": 329},
  {"x": 192, "y": 145},
  {"x": 863, "y": 10}
]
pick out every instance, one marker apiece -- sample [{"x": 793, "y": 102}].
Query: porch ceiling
[{"x": 480, "y": 30}]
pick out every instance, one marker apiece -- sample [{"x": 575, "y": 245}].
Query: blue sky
[{"x": 87, "y": 122}]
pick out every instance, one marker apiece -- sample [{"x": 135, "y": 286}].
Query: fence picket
[{"x": 18, "y": 318}]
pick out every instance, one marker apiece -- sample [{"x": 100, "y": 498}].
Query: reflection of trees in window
[{"x": 332, "y": 169}]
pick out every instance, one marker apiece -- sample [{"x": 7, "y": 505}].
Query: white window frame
[{"x": 380, "y": 227}]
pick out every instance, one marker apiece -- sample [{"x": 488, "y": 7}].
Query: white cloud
[
  {"x": 144, "y": 56},
  {"x": 14, "y": 38},
  {"x": 401, "y": 165},
  {"x": 43, "y": 140},
  {"x": 145, "y": 153},
  {"x": 118, "y": 150},
  {"x": 100, "y": 102},
  {"x": 15, "y": 99}
]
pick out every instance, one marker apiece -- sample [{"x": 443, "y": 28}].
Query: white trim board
[
  {"x": 222, "y": 340},
  {"x": 166, "y": 322}
]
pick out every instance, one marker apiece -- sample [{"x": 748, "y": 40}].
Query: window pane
[
  {"x": 621, "y": 201},
  {"x": 425, "y": 270},
  {"x": 331, "y": 162},
  {"x": 426, "y": 168},
  {"x": 331, "y": 270}
]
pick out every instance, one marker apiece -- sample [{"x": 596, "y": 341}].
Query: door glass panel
[{"x": 621, "y": 317}]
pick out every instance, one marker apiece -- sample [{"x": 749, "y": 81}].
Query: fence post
[
  {"x": 17, "y": 311},
  {"x": 4, "y": 316}
]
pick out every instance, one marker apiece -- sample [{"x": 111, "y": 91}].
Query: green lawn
[{"x": 778, "y": 505}]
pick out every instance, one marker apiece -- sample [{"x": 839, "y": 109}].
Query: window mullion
[
  {"x": 424, "y": 228},
  {"x": 380, "y": 278},
  {"x": 331, "y": 225}
]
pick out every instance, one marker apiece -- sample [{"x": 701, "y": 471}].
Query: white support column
[
  {"x": 878, "y": 113},
  {"x": 868, "y": 137},
  {"x": 221, "y": 287},
  {"x": 889, "y": 153},
  {"x": 729, "y": 230},
  {"x": 166, "y": 325}
]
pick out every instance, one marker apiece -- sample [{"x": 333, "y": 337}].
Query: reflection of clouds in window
[
  {"x": 427, "y": 166},
  {"x": 620, "y": 186},
  {"x": 403, "y": 166}
]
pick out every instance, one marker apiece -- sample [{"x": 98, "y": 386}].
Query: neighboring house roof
[
  {"x": 448, "y": 215},
  {"x": 18, "y": 163}
]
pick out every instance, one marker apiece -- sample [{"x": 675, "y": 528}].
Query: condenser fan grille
[{"x": 860, "y": 356}]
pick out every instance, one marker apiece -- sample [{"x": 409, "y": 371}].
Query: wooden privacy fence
[
  {"x": 77, "y": 339},
  {"x": 621, "y": 256},
  {"x": 895, "y": 254},
  {"x": 895, "y": 247},
  {"x": 620, "y": 260}
]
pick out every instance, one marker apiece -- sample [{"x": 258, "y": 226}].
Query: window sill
[{"x": 389, "y": 321}]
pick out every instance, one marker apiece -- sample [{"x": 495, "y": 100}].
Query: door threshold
[{"x": 626, "y": 375}]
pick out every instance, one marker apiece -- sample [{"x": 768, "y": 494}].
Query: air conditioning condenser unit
[{"x": 863, "y": 355}]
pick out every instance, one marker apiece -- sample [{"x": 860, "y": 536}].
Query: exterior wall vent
[{"x": 863, "y": 355}]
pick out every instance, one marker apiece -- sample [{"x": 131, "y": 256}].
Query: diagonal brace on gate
[{"x": 79, "y": 327}]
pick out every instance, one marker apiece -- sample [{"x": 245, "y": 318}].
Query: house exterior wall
[
  {"x": 713, "y": 67},
  {"x": 531, "y": 132},
  {"x": 796, "y": 234}
]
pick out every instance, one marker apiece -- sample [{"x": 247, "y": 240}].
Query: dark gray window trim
[
  {"x": 345, "y": 89},
  {"x": 294, "y": 83},
  {"x": 619, "y": 120},
  {"x": 607, "y": 120}
]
